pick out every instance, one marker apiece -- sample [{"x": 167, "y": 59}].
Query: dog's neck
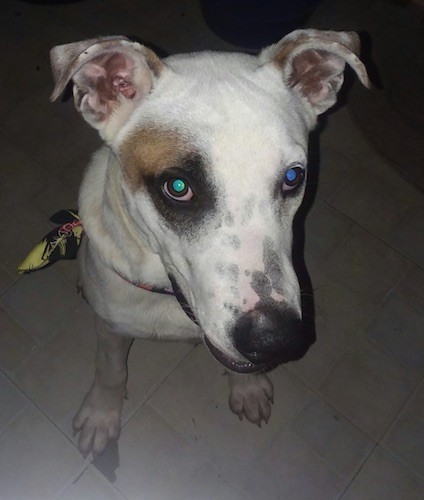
[
  {"x": 149, "y": 287},
  {"x": 106, "y": 223}
]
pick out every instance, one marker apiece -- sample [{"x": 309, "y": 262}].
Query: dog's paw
[
  {"x": 251, "y": 396},
  {"x": 98, "y": 422}
]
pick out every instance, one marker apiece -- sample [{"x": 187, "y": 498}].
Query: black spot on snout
[
  {"x": 261, "y": 284},
  {"x": 232, "y": 308},
  {"x": 229, "y": 219},
  {"x": 230, "y": 271},
  {"x": 233, "y": 241},
  {"x": 272, "y": 266},
  {"x": 248, "y": 209},
  {"x": 233, "y": 272}
]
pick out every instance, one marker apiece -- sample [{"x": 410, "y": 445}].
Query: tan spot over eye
[{"x": 151, "y": 150}]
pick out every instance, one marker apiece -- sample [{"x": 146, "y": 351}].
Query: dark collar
[{"x": 149, "y": 288}]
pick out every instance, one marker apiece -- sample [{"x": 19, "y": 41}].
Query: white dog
[{"x": 188, "y": 208}]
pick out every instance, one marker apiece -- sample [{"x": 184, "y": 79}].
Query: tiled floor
[{"x": 348, "y": 419}]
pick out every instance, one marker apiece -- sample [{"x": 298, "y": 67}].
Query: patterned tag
[{"x": 61, "y": 243}]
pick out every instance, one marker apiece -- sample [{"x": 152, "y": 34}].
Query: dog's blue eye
[
  {"x": 293, "y": 178},
  {"x": 177, "y": 189}
]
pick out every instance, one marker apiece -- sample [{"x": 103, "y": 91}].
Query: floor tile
[
  {"x": 409, "y": 238},
  {"x": 20, "y": 19},
  {"x": 92, "y": 485},
  {"x": 416, "y": 404},
  {"x": 58, "y": 374},
  {"x": 149, "y": 364},
  {"x": 12, "y": 402},
  {"x": 15, "y": 343},
  {"x": 54, "y": 196},
  {"x": 405, "y": 439},
  {"x": 25, "y": 53},
  {"x": 325, "y": 230},
  {"x": 40, "y": 314},
  {"x": 36, "y": 460},
  {"x": 22, "y": 176},
  {"x": 67, "y": 136},
  {"x": 19, "y": 79},
  {"x": 155, "y": 461},
  {"x": 335, "y": 168},
  {"x": 340, "y": 314},
  {"x": 68, "y": 269},
  {"x": 71, "y": 169},
  {"x": 333, "y": 438},
  {"x": 368, "y": 387},
  {"x": 6, "y": 279},
  {"x": 383, "y": 476},
  {"x": 376, "y": 163},
  {"x": 367, "y": 266},
  {"x": 19, "y": 234},
  {"x": 412, "y": 286},
  {"x": 194, "y": 400},
  {"x": 206, "y": 484},
  {"x": 291, "y": 469},
  {"x": 341, "y": 133},
  {"x": 398, "y": 328},
  {"x": 374, "y": 203}
]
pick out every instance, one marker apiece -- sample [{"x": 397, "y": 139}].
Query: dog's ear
[
  {"x": 110, "y": 75},
  {"x": 313, "y": 61}
]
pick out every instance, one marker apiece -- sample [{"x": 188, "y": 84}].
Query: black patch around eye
[{"x": 183, "y": 217}]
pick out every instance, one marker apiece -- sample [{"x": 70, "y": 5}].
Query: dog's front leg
[
  {"x": 251, "y": 395},
  {"x": 98, "y": 419}
]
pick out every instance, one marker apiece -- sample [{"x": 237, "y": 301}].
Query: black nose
[{"x": 271, "y": 336}]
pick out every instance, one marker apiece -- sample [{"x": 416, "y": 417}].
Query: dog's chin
[{"x": 232, "y": 364}]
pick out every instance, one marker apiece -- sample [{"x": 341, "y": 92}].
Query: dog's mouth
[
  {"x": 232, "y": 364},
  {"x": 226, "y": 360}
]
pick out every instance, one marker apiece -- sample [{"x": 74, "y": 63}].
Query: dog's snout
[{"x": 270, "y": 336}]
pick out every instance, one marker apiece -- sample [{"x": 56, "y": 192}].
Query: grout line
[
  {"x": 153, "y": 390},
  {"x": 17, "y": 414},
  {"x": 35, "y": 405},
  {"x": 359, "y": 470},
  {"x": 374, "y": 236},
  {"x": 401, "y": 462},
  {"x": 72, "y": 481},
  {"x": 15, "y": 282},
  {"x": 402, "y": 411},
  {"x": 315, "y": 392}
]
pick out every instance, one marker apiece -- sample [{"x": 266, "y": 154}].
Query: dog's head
[{"x": 213, "y": 149}]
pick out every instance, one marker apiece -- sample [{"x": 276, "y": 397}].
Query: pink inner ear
[
  {"x": 111, "y": 75},
  {"x": 313, "y": 72},
  {"x": 123, "y": 86},
  {"x": 101, "y": 81}
]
